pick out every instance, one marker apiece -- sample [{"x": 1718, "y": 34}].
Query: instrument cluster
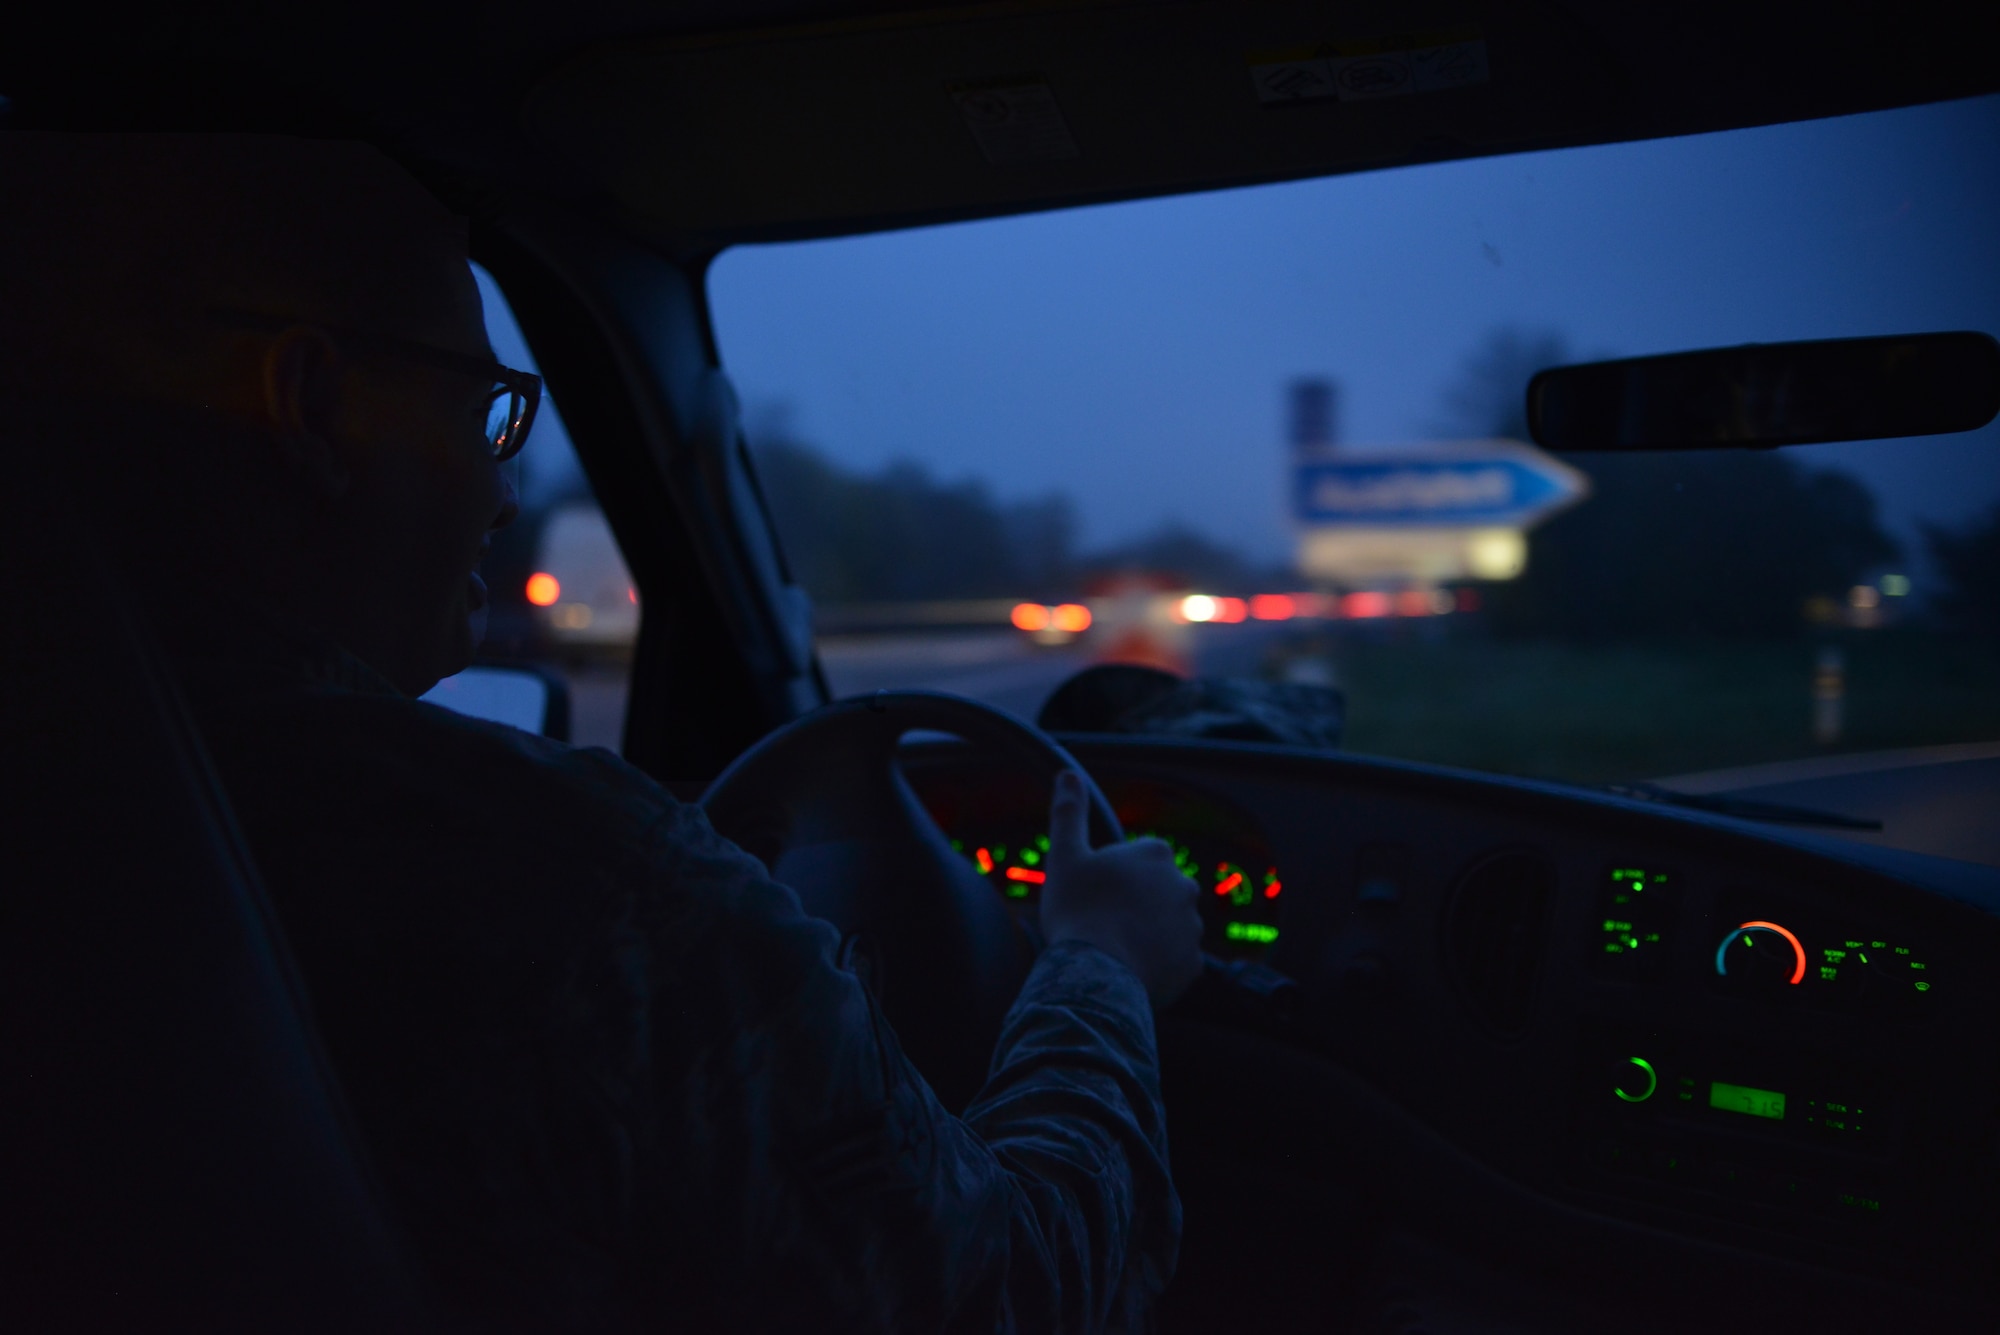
[{"x": 1000, "y": 824}]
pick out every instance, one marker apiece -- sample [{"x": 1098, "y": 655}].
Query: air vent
[{"x": 1495, "y": 935}]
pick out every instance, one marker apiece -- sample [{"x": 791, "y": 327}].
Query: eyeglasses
[{"x": 510, "y": 402}]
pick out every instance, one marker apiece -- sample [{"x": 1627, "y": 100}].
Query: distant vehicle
[{"x": 582, "y": 593}]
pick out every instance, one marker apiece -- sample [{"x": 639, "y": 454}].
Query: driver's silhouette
[{"x": 611, "y": 1073}]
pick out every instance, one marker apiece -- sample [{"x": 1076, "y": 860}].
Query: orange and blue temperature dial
[{"x": 1761, "y": 953}]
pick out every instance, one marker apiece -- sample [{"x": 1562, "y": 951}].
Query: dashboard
[
  {"x": 1635, "y": 1046},
  {"x": 999, "y": 823}
]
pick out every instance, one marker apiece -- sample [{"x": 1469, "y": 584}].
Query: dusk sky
[{"x": 1134, "y": 355}]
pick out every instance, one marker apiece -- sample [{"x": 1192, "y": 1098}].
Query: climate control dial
[{"x": 1761, "y": 953}]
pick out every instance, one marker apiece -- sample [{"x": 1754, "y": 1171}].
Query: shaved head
[
  {"x": 289, "y": 462},
  {"x": 112, "y": 245}
]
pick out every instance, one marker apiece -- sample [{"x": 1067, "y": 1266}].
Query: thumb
[{"x": 1069, "y": 820}]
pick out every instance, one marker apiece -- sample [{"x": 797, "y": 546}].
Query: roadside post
[{"x": 1829, "y": 692}]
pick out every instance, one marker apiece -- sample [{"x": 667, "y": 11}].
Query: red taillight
[
  {"x": 543, "y": 589},
  {"x": 1030, "y": 616},
  {"x": 1072, "y": 617}
]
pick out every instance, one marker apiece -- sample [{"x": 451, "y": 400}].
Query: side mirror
[
  {"x": 529, "y": 698},
  {"x": 1766, "y": 394}
]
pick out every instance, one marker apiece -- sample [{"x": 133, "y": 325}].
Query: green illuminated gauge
[
  {"x": 1183, "y": 857},
  {"x": 1017, "y": 869},
  {"x": 1636, "y": 1080},
  {"x": 1238, "y": 894}
]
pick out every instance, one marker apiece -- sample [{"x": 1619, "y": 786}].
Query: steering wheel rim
[{"x": 822, "y": 802}]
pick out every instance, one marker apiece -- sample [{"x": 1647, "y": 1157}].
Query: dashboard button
[
  {"x": 1672, "y": 1164},
  {"x": 1791, "y": 1189},
  {"x": 1728, "y": 1178},
  {"x": 1633, "y": 929}
]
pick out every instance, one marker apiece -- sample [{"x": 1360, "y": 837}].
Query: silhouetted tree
[
  {"x": 1716, "y": 542},
  {"x": 1175, "y": 549},
  {"x": 1490, "y": 396},
  {"x": 1726, "y": 542},
  {"x": 900, "y": 534},
  {"x": 1968, "y": 559}
]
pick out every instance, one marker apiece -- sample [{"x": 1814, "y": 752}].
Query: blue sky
[{"x": 1133, "y": 355}]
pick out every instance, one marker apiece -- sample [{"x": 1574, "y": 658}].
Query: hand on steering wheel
[
  {"x": 823, "y": 803},
  {"x": 1129, "y": 900}
]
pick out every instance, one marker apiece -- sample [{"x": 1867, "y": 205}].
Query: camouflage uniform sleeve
[{"x": 807, "y": 1177}]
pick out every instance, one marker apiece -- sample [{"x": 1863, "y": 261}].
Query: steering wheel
[{"x": 823, "y": 803}]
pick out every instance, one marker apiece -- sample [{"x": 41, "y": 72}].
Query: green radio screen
[{"x": 1744, "y": 1099}]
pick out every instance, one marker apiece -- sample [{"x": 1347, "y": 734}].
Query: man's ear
[{"x": 302, "y": 400}]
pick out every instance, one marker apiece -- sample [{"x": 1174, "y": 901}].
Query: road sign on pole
[
  {"x": 1427, "y": 513},
  {"x": 1473, "y": 484}
]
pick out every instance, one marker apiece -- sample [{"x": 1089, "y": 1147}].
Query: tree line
[
  {"x": 903, "y": 534},
  {"x": 1705, "y": 542},
  {"x": 1726, "y": 542}
]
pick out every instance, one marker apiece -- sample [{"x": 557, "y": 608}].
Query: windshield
[{"x": 999, "y": 452}]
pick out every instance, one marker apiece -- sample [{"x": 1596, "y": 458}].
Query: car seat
[{"x": 174, "y": 1154}]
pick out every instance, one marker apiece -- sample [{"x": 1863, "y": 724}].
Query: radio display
[{"x": 1744, "y": 1099}]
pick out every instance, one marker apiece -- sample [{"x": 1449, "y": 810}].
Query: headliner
[{"x": 698, "y": 123}]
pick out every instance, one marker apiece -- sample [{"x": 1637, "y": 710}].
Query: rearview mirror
[
  {"x": 529, "y": 698},
  {"x": 1766, "y": 394}
]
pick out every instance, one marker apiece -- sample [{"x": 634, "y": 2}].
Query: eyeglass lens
[{"x": 503, "y": 421}]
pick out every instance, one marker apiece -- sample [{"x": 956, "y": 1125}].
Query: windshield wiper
[{"x": 1771, "y": 813}]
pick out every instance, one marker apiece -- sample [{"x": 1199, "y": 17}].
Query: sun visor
[{"x": 915, "y": 118}]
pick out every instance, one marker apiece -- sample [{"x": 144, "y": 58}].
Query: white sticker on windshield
[
  {"x": 1015, "y": 119},
  {"x": 1453, "y": 65},
  {"x": 1284, "y": 81},
  {"x": 1365, "y": 71},
  {"x": 1364, "y": 78}
]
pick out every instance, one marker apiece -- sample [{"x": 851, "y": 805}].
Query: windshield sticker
[
  {"x": 1365, "y": 71},
  {"x": 1285, "y": 82},
  {"x": 1015, "y": 119}
]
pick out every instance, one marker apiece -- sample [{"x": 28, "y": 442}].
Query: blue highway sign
[{"x": 1473, "y": 484}]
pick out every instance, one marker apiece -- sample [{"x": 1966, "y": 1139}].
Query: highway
[
  {"x": 1006, "y": 669},
  {"x": 1003, "y": 668}
]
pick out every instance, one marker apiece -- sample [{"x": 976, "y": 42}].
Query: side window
[{"x": 561, "y": 601}]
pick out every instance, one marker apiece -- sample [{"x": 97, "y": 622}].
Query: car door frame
[{"x": 621, "y": 332}]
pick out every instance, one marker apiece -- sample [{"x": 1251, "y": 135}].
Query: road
[{"x": 1003, "y": 668}]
